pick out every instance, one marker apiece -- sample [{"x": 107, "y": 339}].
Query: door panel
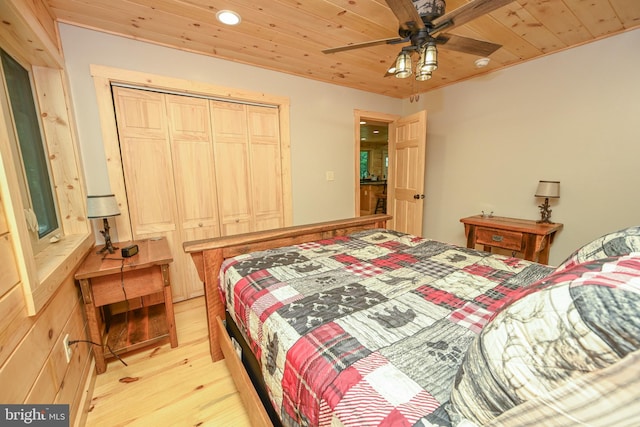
[
  {"x": 146, "y": 158},
  {"x": 191, "y": 141},
  {"x": 249, "y": 167},
  {"x": 234, "y": 193},
  {"x": 231, "y": 151},
  {"x": 266, "y": 170},
  {"x": 195, "y": 183},
  {"x": 152, "y": 203},
  {"x": 407, "y": 148}
]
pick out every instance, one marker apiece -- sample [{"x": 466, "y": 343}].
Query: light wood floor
[{"x": 171, "y": 387}]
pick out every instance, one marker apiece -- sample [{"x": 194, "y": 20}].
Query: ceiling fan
[{"x": 421, "y": 23}]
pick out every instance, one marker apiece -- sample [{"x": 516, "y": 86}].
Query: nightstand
[
  {"x": 531, "y": 238},
  {"x": 142, "y": 281}
]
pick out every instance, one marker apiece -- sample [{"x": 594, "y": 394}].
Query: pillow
[
  {"x": 614, "y": 244},
  {"x": 579, "y": 320}
]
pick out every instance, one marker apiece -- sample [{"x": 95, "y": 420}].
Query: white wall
[
  {"x": 322, "y": 128},
  {"x": 573, "y": 116}
]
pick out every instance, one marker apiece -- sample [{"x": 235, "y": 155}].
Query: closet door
[
  {"x": 231, "y": 142},
  {"x": 249, "y": 167},
  {"x": 167, "y": 158},
  {"x": 265, "y": 167},
  {"x": 146, "y": 158},
  {"x": 195, "y": 184},
  {"x": 195, "y": 169}
]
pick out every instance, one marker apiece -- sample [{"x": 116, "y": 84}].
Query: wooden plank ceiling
[{"x": 289, "y": 35}]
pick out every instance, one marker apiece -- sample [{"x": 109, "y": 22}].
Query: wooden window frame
[{"x": 41, "y": 273}]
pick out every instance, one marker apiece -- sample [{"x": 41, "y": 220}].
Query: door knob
[{"x": 418, "y": 196}]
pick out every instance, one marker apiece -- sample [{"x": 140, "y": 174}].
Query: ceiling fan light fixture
[
  {"x": 228, "y": 17},
  {"x": 430, "y": 55},
  {"x": 403, "y": 65},
  {"x": 422, "y": 75}
]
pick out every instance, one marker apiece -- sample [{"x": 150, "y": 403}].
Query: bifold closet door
[
  {"x": 266, "y": 167},
  {"x": 195, "y": 168},
  {"x": 167, "y": 157},
  {"x": 249, "y": 167},
  {"x": 194, "y": 178}
]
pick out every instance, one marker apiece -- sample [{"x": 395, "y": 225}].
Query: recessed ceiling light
[
  {"x": 482, "y": 62},
  {"x": 228, "y": 17}
]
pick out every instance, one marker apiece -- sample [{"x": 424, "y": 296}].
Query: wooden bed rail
[{"x": 209, "y": 254}]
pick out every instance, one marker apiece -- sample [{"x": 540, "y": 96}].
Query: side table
[
  {"x": 108, "y": 278},
  {"x": 531, "y": 238}
]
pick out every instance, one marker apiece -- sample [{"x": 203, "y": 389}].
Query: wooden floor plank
[{"x": 168, "y": 387}]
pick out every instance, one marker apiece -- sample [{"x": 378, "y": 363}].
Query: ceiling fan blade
[
  {"x": 467, "y": 45},
  {"x": 364, "y": 44},
  {"x": 466, "y": 13},
  {"x": 408, "y": 16}
]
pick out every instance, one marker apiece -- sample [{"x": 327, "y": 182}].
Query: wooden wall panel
[
  {"x": 27, "y": 33},
  {"x": 33, "y": 366},
  {"x": 9, "y": 276},
  {"x": 14, "y": 321},
  {"x": 28, "y": 359},
  {"x": 4, "y": 227},
  {"x": 49, "y": 382}
]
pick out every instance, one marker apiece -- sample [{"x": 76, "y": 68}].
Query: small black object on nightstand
[{"x": 129, "y": 251}]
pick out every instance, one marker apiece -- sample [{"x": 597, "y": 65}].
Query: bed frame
[{"x": 208, "y": 256}]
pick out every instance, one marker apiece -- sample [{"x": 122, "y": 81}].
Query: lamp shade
[
  {"x": 102, "y": 206},
  {"x": 550, "y": 189}
]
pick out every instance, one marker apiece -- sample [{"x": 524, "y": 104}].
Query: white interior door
[{"x": 407, "y": 159}]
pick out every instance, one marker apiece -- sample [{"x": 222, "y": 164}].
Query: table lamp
[
  {"x": 104, "y": 206},
  {"x": 547, "y": 189}
]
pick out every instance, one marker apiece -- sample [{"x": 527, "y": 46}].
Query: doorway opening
[{"x": 372, "y": 161}]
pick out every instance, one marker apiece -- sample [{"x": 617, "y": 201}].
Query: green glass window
[
  {"x": 364, "y": 164},
  {"x": 31, "y": 147}
]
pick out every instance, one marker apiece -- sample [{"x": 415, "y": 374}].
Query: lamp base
[
  {"x": 542, "y": 221},
  {"x": 545, "y": 213},
  {"x": 108, "y": 246}
]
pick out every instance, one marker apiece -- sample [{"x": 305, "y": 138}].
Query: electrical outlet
[{"x": 67, "y": 349}]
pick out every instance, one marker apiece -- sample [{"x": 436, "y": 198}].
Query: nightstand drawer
[
  {"x": 137, "y": 283},
  {"x": 500, "y": 238}
]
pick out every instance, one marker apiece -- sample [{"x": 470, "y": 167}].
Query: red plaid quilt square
[
  {"x": 394, "y": 261},
  {"x": 401, "y": 405},
  {"x": 488, "y": 272},
  {"x": 440, "y": 297},
  {"x": 364, "y": 269},
  {"x": 471, "y": 316},
  {"x": 313, "y": 363}
]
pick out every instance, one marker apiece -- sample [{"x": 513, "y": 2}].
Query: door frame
[
  {"x": 104, "y": 76},
  {"x": 358, "y": 116}
]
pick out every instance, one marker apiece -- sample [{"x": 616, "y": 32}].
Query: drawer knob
[{"x": 497, "y": 238}]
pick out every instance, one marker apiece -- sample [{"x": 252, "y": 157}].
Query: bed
[{"x": 347, "y": 323}]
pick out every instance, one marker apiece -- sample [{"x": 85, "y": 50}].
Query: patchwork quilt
[{"x": 367, "y": 329}]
